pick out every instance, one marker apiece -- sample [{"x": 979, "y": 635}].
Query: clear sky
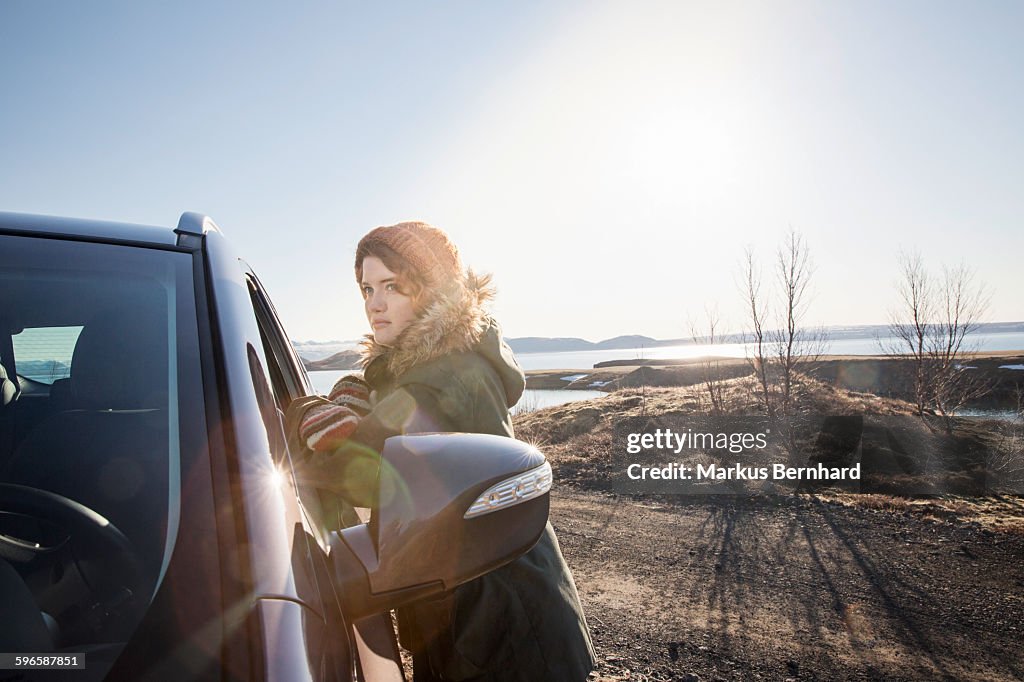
[{"x": 608, "y": 162}]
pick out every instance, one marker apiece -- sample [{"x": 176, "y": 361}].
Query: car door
[{"x": 371, "y": 639}]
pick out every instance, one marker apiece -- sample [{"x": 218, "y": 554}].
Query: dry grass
[
  {"x": 1003, "y": 513},
  {"x": 556, "y": 424},
  {"x": 581, "y": 431},
  {"x": 578, "y": 439}
]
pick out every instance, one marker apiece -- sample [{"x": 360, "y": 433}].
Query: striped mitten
[
  {"x": 352, "y": 392},
  {"x": 324, "y": 427}
]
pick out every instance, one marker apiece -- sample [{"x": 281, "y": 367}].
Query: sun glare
[{"x": 276, "y": 478}]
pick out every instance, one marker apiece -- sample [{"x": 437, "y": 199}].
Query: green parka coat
[{"x": 451, "y": 371}]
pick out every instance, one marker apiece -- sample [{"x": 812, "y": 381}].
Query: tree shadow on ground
[{"x": 829, "y": 589}]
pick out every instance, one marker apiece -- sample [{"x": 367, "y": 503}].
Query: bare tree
[
  {"x": 964, "y": 302},
  {"x": 55, "y": 371},
  {"x": 795, "y": 345},
  {"x": 711, "y": 373},
  {"x": 756, "y": 338},
  {"x": 908, "y": 325},
  {"x": 932, "y": 326},
  {"x": 780, "y": 353}
]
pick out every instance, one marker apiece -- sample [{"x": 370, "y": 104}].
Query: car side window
[
  {"x": 286, "y": 371},
  {"x": 289, "y": 382}
]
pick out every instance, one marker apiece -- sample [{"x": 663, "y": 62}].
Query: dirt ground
[
  {"x": 791, "y": 588},
  {"x": 871, "y": 585}
]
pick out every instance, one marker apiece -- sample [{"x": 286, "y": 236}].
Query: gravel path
[{"x": 790, "y": 588}]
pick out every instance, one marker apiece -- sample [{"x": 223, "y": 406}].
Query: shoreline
[{"x": 886, "y": 376}]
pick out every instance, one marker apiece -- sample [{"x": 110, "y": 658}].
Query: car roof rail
[{"x": 192, "y": 225}]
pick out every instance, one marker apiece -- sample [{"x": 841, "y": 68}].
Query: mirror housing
[{"x": 451, "y": 507}]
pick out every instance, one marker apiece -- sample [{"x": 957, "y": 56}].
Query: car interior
[{"x": 87, "y": 454}]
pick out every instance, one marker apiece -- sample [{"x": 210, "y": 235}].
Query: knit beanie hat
[{"x": 426, "y": 249}]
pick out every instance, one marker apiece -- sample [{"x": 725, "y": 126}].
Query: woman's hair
[
  {"x": 409, "y": 281},
  {"x": 424, "y": 259}
]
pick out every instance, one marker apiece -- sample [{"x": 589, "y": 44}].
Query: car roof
[{"x": 104, "y": 230}]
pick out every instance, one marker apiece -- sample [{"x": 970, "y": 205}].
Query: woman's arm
[{"x": 351, "y": 469}]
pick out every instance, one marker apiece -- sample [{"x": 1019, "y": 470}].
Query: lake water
[
  {"x": 1001, "y": 415},
  {"x": 1009, "y": 341},
  {"x": 584, "y": 360},
  {"x": 538, "y": 400},
  {"x": 531, "y": 400}
]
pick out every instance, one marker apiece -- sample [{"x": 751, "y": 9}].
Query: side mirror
[{"x": 451, "y": 508}]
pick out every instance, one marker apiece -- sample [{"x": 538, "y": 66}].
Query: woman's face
[{"x": 388, "y": 309}]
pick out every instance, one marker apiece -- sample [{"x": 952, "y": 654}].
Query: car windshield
[{"x": 100, "y": 383}]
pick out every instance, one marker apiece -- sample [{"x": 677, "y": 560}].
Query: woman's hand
[
  {"x": 324, "y": 427},
  {"x": 352, "y": 392}
]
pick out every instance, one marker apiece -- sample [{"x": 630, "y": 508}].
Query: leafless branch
[{"x": 932, "y": 327}]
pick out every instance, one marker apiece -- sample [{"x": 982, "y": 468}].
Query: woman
[{"x": 436, "y": 362}]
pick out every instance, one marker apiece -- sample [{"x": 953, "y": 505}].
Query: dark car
[{"x": 150, "y": 523}]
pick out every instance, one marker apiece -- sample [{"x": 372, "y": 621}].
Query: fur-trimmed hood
[{"x": 456, "y": 322}]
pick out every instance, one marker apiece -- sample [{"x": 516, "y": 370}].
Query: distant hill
[
  {"x": 339, "y": 354},
  {"x": 346, "y": 359},
  {"x": 319, "y": 350},
  {"x": 632, "y": 341},
  {"x": 43, "y": 370},
  {"x": 539, "y": 344}
]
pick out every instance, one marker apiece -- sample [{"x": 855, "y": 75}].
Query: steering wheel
[{"x": 106, "y": 560}]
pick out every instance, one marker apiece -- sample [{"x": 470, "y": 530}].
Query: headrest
[
  {"x": 120, "y": 361},
  {"x": 8, "y": 389}
]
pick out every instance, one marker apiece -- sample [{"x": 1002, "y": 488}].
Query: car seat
[
  {"x": 110, "y": 450},
  {"x": 8, "y": 389}
]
